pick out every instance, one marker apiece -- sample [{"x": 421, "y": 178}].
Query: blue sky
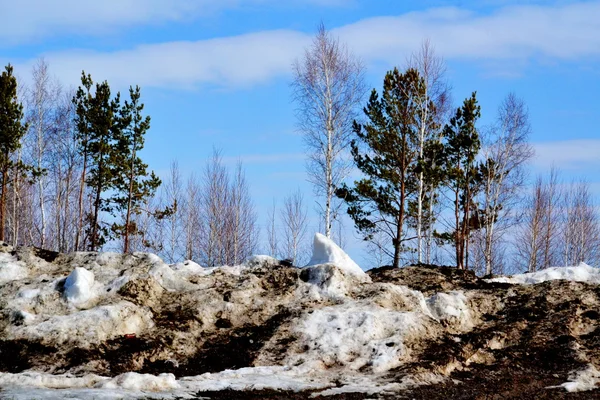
[{"x": 217, "y": 72}]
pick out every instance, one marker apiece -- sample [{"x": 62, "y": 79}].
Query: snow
[
  {"x": 88, "y": 326},
  {"x": 451, "y": 307},
  {"x": 11, "y": 269},
  {"x": 582, "y": 381},
  {"x": 325, "y": 251},
  {"x": 355, "y": 335},
  {"x": 261, "y": 261},
  {"x": 579, "y": 273},
  {"x": 78, "y": 286}
]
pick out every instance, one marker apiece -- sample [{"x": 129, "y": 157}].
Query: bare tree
[
  {"x": 580, "y": 226},
  {"x": 328, "y": 87},
  {"x": 293, "y": 222},
  {"x": 191, "y": 219},
  {"x": 432, "y": 108},
  {"x": 271, "y": 230},
  {"x": 241, "y": 231},
  {"x": 41, "y": 104},
  {"x": 536, "y": 240},
  {"x": 506, "y": 152},
  {"x": 172, "y": 229}
]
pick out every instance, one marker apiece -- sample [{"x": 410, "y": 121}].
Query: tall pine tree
[
  {"x": 11, "y": 132},
  {"x": 379, "y": 202}
]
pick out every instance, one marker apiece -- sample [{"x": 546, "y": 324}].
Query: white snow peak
[{"x": 325, "y": 251}]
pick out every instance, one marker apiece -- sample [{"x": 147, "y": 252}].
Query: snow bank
[
  {"x": 355, "y": 335},
  {"x": 11, "y": 269},
  {"x": 580, "y": 273},
  {"x": 325, "y": 251},
  {"x": 78, "y": 286}
]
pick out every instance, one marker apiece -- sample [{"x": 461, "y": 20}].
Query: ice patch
[
  {"x": 580, "y": 273},
  {"x": 260, "y": 261},
  {"x": 78, "y": 286},
  {"x": 325, "y": 251}
]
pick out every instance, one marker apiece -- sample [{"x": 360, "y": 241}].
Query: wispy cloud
[
  {"x": 513, "y": 34},
  {"x": 26, "y": 20},
  {"x": 581, "y": 155}
]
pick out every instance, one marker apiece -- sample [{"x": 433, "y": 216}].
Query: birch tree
[
  {"x": 580, "y": 226},
  {"x": 432, "y": 107},
  {"x": 506, "y": 152},
  {"x": 293, "y": 225},
  {"x": 327, "y": 88}
]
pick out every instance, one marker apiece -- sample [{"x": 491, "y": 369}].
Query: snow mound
[
  {"x": 325, "y": 251},
  {"x": 11, "y": 269},
  {"x": 580, "y": 273},
  {"x": 78, "y": 286}
]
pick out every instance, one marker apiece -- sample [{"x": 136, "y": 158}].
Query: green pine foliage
[
  {"x": 386, "y": 152},
  {"x": 133, "y": 184},
  {"x": 110, "y": 136},
  {"x": 12, "y": 131},
  {"x": 462, "y": 144}
]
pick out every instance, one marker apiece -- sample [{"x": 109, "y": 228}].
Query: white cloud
[
  {"x": 226, "y": 62},
  {"x": 24, "y": 20},
  {"x": 514, "y": 32},
  {"x": 578, "y": 155},
  {"x": 511, "y": 35}
]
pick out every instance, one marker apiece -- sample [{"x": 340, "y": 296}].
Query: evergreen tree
[
  {"x": 132, "y": 182},
  {"x": 11, "y": 132},
  {"x": 379, "y": 202},
  {"x": 463, "y": 176},
  {"x": 100, "y": 122}
]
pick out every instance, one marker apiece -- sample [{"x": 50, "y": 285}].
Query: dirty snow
[
  {"x": 11, "y": 269},
  {"x": 579, "y": 273}
]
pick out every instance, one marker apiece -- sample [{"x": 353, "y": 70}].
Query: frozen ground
[{"x": 109, "y": 326}]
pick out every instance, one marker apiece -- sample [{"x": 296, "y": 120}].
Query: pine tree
[
  {"x": 11, "y": 132},
  {"x": 99, "y": 122},
  {"x": 132, "y": 182},
  {"x": 380, "y": 201},
  {"x": 462, "y": 145}
]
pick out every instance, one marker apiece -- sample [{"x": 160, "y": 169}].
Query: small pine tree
[
  {"x": 463, "y": 176},
  {"x": 132, "y": 182}
]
